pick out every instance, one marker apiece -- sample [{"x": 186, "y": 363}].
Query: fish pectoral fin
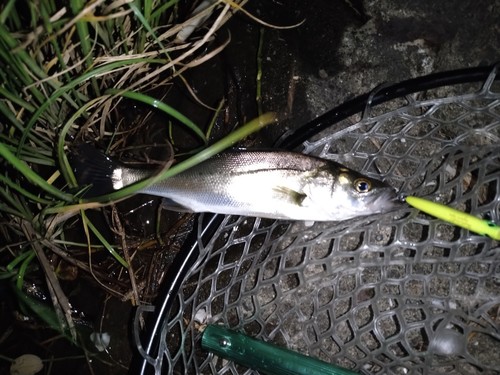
[
  {"x": 172, "y": 205},
  {"x": 295, "y": 196}
]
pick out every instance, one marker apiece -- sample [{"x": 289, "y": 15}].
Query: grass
[{"x": 63, "y": 73}]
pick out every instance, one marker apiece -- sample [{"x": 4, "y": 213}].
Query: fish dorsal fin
[
  {"x": 172, "y": 205},
  {"x": 293, "y": 195}
]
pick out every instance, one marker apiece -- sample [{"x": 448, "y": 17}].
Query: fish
[{"x": 270, "y": 184}]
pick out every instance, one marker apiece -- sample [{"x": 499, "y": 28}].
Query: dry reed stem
[
  {"x": 59, "y": 300},
  {"x": 118, "y": 229}
]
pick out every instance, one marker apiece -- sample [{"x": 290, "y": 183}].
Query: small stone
[{"x": 27, "y": 364}]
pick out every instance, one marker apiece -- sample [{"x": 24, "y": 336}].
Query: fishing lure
[{"x": 456, "y": 217}]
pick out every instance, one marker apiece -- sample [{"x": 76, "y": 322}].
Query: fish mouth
[
  {"x": 387, "y": 201},
  {"x": 402, "y": 197}
]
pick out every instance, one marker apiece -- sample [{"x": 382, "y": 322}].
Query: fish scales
[{"x": 257, "y": 183}]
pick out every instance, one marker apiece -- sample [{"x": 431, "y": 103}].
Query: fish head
[
  {"x": 344, "y": 194},
  {"x": 363, "y": 195}
]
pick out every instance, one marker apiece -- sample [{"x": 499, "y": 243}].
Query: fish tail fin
[{"x": 94, "y": 169}]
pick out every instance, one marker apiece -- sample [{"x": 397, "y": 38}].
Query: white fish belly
[{"x": 265, "y": 194}]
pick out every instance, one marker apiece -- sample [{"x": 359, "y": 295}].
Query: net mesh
[{"x": 396, "y": 293}]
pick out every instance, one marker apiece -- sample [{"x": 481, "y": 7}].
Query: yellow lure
[{"x": 456, "y": 217}]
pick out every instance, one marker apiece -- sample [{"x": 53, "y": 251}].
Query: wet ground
[
  {"x": 345, "y": 49},
  {"x": 339, "y": 50}
]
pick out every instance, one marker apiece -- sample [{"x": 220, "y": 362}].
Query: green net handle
[{"x": 264, "y": 357}]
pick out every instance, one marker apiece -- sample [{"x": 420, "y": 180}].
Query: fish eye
[{"x": 362, "y": 185}]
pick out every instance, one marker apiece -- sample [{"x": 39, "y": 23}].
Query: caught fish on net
[{"x": 398, "y": 292}]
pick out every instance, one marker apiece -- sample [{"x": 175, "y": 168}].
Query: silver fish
[{"x": 267, "y": 184}]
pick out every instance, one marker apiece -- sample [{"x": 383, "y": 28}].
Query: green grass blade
[
  {"x": 20, "y": 258},
  {"x": 10, "y": 116},
  {"x": 47, "y": 314},
  {"x": 23, "y": 191},
  {"x": 161, "y": 106},
  {"x": 32, "y": 176},
  {"x": 147, "y": 26},
  {"x": 16, "y": 99},
  {"x": 101, "y": 238},
  {"x": 50, "y": 28},
  {"x": 161, "y": 9},
  {"x": 4, "y": 275},
  {"x": 20, "y": 62},
  {"x": 11, "y": 211},
  {"x": 16, "y": 206},
  {"x": 29, "y": 154},
  {"x": 82, "y": 28},
  {"x": 22, "y": 270},
  {"x": 8, "y": 14},
  {"x": 214, "y": 118}
]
